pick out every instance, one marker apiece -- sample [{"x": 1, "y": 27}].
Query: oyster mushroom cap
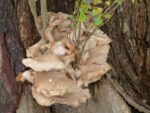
[
  {"x": 67, "y": 59},
  {"x": 55, "y": 87},
  {"x": 57, "y": 19},
  {"x": 66, "y": 23},
  {"x": 54, "y": 83},
  {"x": 34, "y": 50},
  {"x": 59, "y": 49},
  {"x": 27, "y": 75},
  {"x": 58, "y": 28},
  {"x": 90, "y": 43},
  {"x": 51, "y": 83},
  {"x": 98, "y": 54},
  {"x": 85, "y": 57},
  {"x": 70, "y": 73},
  {"x": 73, "y": 99},
  {"x": 95, "y": 66},
  {"x": 48, "y": 34},
  {"x": 44, "y": 62},
  {"x": 101, "y": 37},
  {"x": 91, "y": 73}
]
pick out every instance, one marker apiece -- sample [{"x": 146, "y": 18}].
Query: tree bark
[{"x": 125, "y": 89}]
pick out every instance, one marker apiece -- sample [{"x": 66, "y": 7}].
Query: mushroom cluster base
[{"x": 53, "y": 77}]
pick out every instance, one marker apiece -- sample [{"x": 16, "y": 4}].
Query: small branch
[
  {"x": 32, "y": 5},
  {"x": 44, "y": 18},
  {"x": 77, "y": 61},
  {"x": 40, "y": 26},
  {"x": 44, "y": 15}
]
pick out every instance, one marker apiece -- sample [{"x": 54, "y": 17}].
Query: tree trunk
[{"x": 125, "y": 89}]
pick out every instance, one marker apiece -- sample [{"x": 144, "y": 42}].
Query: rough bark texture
[
  {"x": 129, "y": 56},
  {"x": 10, "y": 58},
  {"x": 125, "y": 89}
]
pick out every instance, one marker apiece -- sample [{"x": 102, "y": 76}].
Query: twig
[
  {"x": 88, "y": 37},
  {"x": 40, "y": 26},
  {"x": 32, "y": 5},
  {"x": 44, "y": 18}
]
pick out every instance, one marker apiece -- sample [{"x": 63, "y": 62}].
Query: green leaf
[
  {"x": 82, "y": 17},
  {"x": 107, "y": 3},
  {"x": 97, "y": 2},
  {"x": 89, "y": 6},
  {"x": 107, "y": 16},
  {"x": 94, "y": 12},
  {"x": 133, "y": 1},
  {"x": 85, "y": 10},
  {"x": 90, "y": 25},
  {"x": 73, "y": 25},
  {"x": 71, "y": 16},
  {"x": 82, "y": 6},
  {"x": 74, "y": 16},
  {"x": 100, "y": 15},
  {"x": 74, "y": 13},
  {"x": 98, "y": 21},
  {"x": 76, "y": 2},
  {"x": 99, "y": 9},
  {"x": 117, "y": 1},
  {"x": 84, "y": 1}
]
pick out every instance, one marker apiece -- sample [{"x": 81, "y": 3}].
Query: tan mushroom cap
[
  {"x": 98, "y": 54},
  {"x": 55, "y": 87},
  {"x": 91, "y": 73},
  {"x": 95, "y": 66},
  {"x": 101, "y": 37},
  {"x": 26, "y": 75},
  {"x": 34, "y": 50},
  {"x": 54, "y": 83},
  {"x": 44, "y": 62},
  {"x": 73, "y": 99},
  {"x": 59, "y": 21}
]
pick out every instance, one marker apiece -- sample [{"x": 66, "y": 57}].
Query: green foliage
[
  {"x": 73, "y": 25},
  {"x": 107, "y": 16},
  {"x": 76, "y": 2},
  {"x": 97, "y": 2},
  {"x": 98, "y": 21},
  {"x": 94, "y": 12},
  {"x": 117, "y": 1},
  {"x": 133, "y": 1},
  {"x": 97, "y": 15},
  {"x": 107, "y": 3},
  {"x": 82, "y": 17}
]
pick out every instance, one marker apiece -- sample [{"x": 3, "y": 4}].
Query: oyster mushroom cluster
[{"x": 51, "y": 73}]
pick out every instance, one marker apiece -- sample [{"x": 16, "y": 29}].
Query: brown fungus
[
  {"x": 54, "y": 78},
  {"x": 44, "y": 62}
]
